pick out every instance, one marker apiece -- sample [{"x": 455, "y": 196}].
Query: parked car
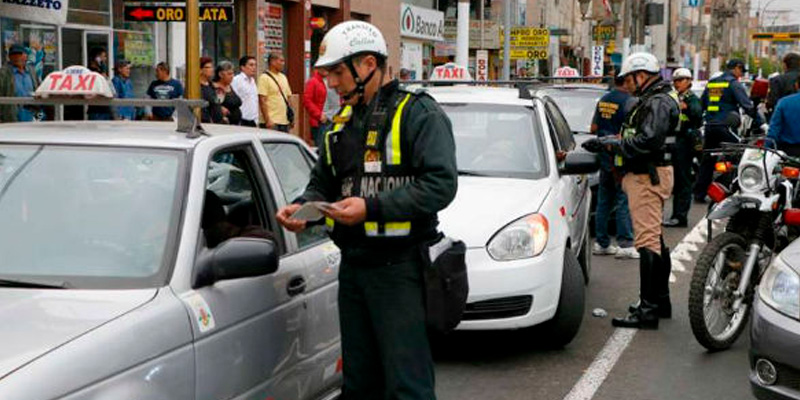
[
  {"x": 139, "y": 263},
  {"x": 775, "y": 329},
  {"x": 522, "y": 212}
]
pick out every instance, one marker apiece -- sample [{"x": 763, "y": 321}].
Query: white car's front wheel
[{"x": 560, "y": 330}]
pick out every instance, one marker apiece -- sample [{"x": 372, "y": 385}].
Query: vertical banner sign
[
  {"x": 482, "y": 65},
  {"x": 597, "y": 61},
  {"x": 270, "y": 31}
]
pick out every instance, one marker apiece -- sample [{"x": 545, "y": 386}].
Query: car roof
[
  {"x": 578, "y": 87},
  {"x": 477, "y": 95},
  {"x": 122, "y": 133}
]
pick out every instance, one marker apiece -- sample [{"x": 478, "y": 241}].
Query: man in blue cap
[{"x": 25, "y": 81}]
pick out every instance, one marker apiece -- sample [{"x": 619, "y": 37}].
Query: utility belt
[{"x": 649, "y": 168}]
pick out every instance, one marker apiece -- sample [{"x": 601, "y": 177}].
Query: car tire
[
  {"x": 585, "y": 258},
  {"x": 560, "y": 330}
]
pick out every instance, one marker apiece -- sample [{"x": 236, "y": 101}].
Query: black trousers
[
  {"x": 245, "y": 122},
  {"x": 682, "y": 169},
  {"x": 385, "y": 344},
  {"x": 714, "y": 136}
]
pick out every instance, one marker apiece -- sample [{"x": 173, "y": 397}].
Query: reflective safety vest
[
  {"x": 715, "y": 91},
  {"x": 374, "y": 163}
]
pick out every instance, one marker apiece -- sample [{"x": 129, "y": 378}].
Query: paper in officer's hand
[{"x": 311, "y": 211}]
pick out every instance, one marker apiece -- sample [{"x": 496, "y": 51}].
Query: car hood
[
  {"x": 37, "y": 321},
  {"x": 484, "y": 205}
]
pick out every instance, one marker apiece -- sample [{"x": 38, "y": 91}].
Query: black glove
[
  {"x": 608, "y": 144},
  {"x": 593, "y": 146}
]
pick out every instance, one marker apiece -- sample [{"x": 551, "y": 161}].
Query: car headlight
[
  {"x": 523, "y": 238},
  {"x": 780, "y": 288},
  {"x": 751, "y": 178}
]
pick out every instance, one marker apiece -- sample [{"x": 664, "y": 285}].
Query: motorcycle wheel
[{"x": 716, "y": 277}]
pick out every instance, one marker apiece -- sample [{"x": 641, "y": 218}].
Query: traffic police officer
[
  {"x": 686, "y": 145},
  {"x": 648, "y": 181},
  {"x": 388, "y": 166},
  {"x": 721, "y": 100}
]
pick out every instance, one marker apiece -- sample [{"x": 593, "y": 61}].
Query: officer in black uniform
[
  {"x": 642, "y": 150},
  {"x": 721, "y": 101},
  {"x": 387, "y": 166}
]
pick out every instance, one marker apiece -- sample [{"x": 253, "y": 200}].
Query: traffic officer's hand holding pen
[
  {"x": 350, "y": 211},
  {"x": 285, "y": 218}
]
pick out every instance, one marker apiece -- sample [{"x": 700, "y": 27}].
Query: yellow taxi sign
[
  {"x": 75, "y": 81},
  {"x": 450, "y": 72}
]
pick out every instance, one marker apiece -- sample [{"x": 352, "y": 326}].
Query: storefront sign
[
  {"x": 567, "y": 72},
  {"x": 210, "y": 13},
  {"x": 604, "y": 33},
  {"x": 482, "y": 65},
  {"x": 597, "y": 60},
  {"x": 421, "y": 23},
  {"x": 44, "y": 11},
  {"x": 533, "y": 54},
  {"x": 139, "y": 49},
  {"x": 316, "y": 23},
  {"x": 526, "y": 37},
  {"x": 491, "y": 34},
  {"x": 270, "y": 31},
  {"x": 450, "y": 72}
]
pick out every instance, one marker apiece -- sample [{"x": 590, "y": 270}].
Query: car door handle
[{"x": 296, "y": 286}]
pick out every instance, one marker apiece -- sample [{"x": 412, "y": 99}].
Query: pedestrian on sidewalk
[
  {"x": 164, "y": 88},
  {"x": 783, "y": 84},
  {"x": 208, "y": 93},
  {"x": 227, "y": 99},
  {"x": 124, "y": 89},
  {"x": 98, "y": 62},
  {"x": 25, "y": 81},
  {"x": 273, "y": 94},
  {"x": 784, "y": 127},
  {"x": 607, "y": 121},
  {"x": 244, "y": 84},
  {"x": 314, "y": 97}
]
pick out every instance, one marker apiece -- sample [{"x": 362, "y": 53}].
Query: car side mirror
[
  {"x": 235, "y": 258},
  {"x": 579, "y": 163}
]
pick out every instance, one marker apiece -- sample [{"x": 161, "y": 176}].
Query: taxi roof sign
[
  {"x": 75, "y": 81},
  {"x": 567, "y": 72},
  {"x": 450, "y": 72}
]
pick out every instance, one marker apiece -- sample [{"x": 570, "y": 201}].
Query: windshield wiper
[
  {"x": 471, "y": 173},
  {"x": 18, "y": 283}
]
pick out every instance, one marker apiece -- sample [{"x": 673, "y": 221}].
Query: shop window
[
  {"x": 40, "y": 41},
  {"x": 220, "y": 42},
  {"x": 89, "y": 12}
]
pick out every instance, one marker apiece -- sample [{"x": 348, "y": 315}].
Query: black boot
[
  {"x": 662, "y": 285},
  {"x": 646, "y": 315}
]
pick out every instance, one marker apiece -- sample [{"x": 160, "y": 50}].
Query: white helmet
[
  {"x": 641, "y": 61},
  {"x": 348, "y": 39},
  {"x": 681, "y": 73}
]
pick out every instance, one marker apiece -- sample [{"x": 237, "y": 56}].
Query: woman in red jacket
[{"x": 314, "y": 101}]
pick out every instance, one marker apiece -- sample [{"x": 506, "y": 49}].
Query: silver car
[{"x": 139, "y": 263}]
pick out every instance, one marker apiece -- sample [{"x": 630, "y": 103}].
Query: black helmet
[{"x": 736, "y": 62}]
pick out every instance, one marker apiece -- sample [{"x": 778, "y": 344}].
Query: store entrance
[{"x": 77, "y": 44}]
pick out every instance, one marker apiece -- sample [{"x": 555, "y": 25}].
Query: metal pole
[
  {"x": 192, "y": 49},
  {"x": 507, "y": 41},
  {"x": 462, "y": 37}
]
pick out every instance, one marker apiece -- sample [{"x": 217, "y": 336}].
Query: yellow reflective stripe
[
  {"x": 329, "y": 223},
  {"x": 713, "y": 108},
  {"x": 684, "y": 117},
  {"x": 328, "y": 147},
  {"x": 718, "y": 85},
  {"x": 713, "y": 99},
  {"x": 390, "y": 229},
  {"x": 393, "y": 144}
]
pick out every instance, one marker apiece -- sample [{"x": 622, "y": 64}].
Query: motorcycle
[{"x": 731, "y": 264}]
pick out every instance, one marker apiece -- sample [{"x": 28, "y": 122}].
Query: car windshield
[
  {"x": 88, "y": 217},
  {"x": 497, "y": 140},
  {"x": 578, "y": 107}
]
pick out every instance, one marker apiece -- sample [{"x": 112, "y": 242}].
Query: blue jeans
[{"x": 610, "y": 195}]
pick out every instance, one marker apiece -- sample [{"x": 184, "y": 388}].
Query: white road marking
[{"x": 682, "y": 254}]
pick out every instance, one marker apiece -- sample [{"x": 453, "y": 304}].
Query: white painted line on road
[{"x": 601, "y": 366}]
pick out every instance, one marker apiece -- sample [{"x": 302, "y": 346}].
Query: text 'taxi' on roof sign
[{"x": 76, "y": 81}]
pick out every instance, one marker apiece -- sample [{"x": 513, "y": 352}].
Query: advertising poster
[
  {"x": 139, "y": 50},
  {"x": 270, "y": 30}
]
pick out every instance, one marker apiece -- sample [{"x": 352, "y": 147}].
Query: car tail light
[
  {"x": 792, "y": 217},
  {"x": 723, "y": 167},
  {"x": 717, "y": 192},
  {"x": 790, "y": 172}
]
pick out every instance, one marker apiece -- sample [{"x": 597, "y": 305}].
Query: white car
[{"x": 522, "y": 213}]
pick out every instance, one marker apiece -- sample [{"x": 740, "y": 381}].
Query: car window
[
  {"x": 92, "y": 217},
  {"x": 577, "y": 107},
  {"x": 233, "y": 205},
  {"x": 565, "y": 137},
  {"x": 293, "y": 167},
  {"x": 497, "y": 140}
]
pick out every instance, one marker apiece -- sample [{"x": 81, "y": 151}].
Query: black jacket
[
  {"x": 780, "y": 87},
  {"x": 654, "y": 118},
  {"x": 423, "y": 184}
]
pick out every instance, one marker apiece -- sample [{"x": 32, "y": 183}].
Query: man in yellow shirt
[{"x": 273, "y": 96}]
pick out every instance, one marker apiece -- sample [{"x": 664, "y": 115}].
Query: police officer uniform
[
  {"x": 397, "y": 153},
  {"x": 721, "y": 101},
  {"x": 647, "y": 131}
]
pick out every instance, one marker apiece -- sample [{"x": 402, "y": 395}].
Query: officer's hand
[
  {"x": 285, "y": 218},
  {"x": 350, "y": 211},
  {"x": 593, "y": 145}
]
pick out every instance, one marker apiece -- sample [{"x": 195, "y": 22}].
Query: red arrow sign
[{"x": 139, "y": 13}]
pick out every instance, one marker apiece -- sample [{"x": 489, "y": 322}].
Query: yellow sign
[
  {"x": 523, "y": 54},
  {"x": 522, "y": 36},
  {"x": 777, "y": 36}
]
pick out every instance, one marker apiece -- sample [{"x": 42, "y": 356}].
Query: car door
[
  {"x": 248, "y": 342},
  {"x": 575, "y": 186},
  {"x": 321, "y": 371}
]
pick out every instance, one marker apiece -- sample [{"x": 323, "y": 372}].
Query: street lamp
[
  {"x": 615, "y": 8},
  {"x": 584, "y": 7}
]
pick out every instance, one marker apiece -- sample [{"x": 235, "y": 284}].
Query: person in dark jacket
[
  {"x": 229, "y": 101},
  {"x": 207, "y": 91},
  {"x": 98, "y": 62},
  {"x": 784, "y": 127},
  {"x": 642, "y": 150},
  {"x": 721, "y": 101},
  {"x": 608, "y": 118},
  {"x": 387, "y": 182},
  {"x": 783, "y": 85},
  {"x": 684, "y": 150},
  {"x": 8, "y": 113}
]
